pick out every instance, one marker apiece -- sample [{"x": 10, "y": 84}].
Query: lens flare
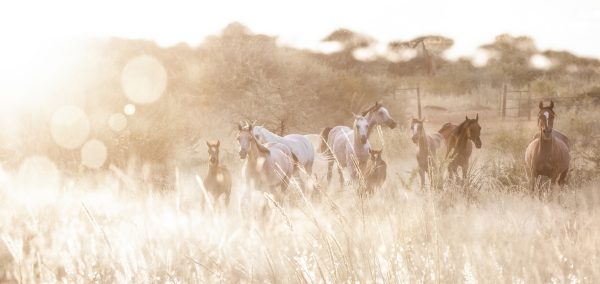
[
  {"x": 69, "y": 127},
  {"x": 93, "y": 154},
  {"x": 117, "y": 122},
  {"x": 144, "y": 79},
  {"x": 129, "y": 109},
  {"x": 38, "y": 173},
  {"x": 540, "y": 61}
]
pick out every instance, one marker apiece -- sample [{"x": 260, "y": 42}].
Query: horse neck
[
  {"x": 423, "y": 144},
  {"x": 270, "y": 136},
  {"x": 461, "y": 141},
  {"x": 213, "y": 169},
  {"x": 546, "y": 145},
  {"x": 371, "y": 122},
  {"x": 253, "y": 153}
]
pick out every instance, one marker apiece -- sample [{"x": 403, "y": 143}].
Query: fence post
[
  {"x": 419, "y": 99},
  {"x": 504, "y": 102},
  {"x": 528, "y": 102}
]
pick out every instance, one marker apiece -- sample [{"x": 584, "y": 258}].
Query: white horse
[
  {"x": 375, "y": 115},
  {"x": 350, "y": 150},
  {"x": 300, "y": 146},
  {"x": 267, "y": 166}
]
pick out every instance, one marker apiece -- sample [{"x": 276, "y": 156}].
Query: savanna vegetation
[{"x": 142, "y": 215}]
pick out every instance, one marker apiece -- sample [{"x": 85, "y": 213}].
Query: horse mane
[
  {"x": 460, "y": 128},
  {"x": 445, "y": 127},
  {"x": 372, "y": 108}
]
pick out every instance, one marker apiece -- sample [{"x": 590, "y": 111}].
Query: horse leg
[
  {"x": 341, "y": 174},
  {"x": 562, "y": 180},
  {"x": 329, "y": 171},
  {"x": 422, "y": 176},
  {"x": 465, "y": 168}
]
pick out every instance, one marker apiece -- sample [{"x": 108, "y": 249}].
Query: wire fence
[{"x": 512, "y": 103}]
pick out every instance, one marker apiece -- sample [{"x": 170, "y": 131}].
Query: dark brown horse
[
  {"x": 375, "y": 172},
  {"x": 548, "y": 154},
  {"x": 458, "y": 144}
]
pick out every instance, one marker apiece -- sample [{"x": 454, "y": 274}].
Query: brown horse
[
  {"x": 376, "y": 172},
  {"x": 458, "y": 143},
  {"x": 548, "y": 154},
  {"x": 218, "y": 178}
]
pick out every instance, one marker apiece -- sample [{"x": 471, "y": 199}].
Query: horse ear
[
  {"x": 551, "y": 104},
  {"x": 541, "y": 105},
  {"x": 218, "y": 143},
  {"x": 466, "y": 117},
  {"x": 207, "y": 144},
  {"x": 477, "y": 117}
]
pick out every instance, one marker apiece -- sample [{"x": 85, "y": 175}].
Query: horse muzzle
[
  {"x": 415, "y": 139},
  {"x": 363, "y": 139},
  {"x": 243, "y": 155},
  {"x": 392, "y": 124},
  {"x": 478, "y": 143}
]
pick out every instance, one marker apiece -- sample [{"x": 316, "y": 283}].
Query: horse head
[
  {"x": 416, "y": 127},
  {"x": 375, "y": 155},
  {"x": 245, "y": 138},
  {"x": 361, "y": 128},
  {"x": 474, "y": 130},
  {"x": 379, "y": 115},
  {"x": 546, "y": 119},
  {"x": 213, "y": 152}
]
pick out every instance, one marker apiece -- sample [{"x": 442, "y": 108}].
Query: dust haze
[{"x": 106, "y": 174}]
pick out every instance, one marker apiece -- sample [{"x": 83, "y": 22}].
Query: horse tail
[{"x": 324, "y": 148}]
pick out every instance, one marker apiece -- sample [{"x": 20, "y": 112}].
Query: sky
[{"x": 562, "y": 25}]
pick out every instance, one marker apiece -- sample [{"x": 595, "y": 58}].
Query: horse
[
  {"x": 458, "y": 142},
  {"x": 218, "y": 178},
  {"x": 375, "y": 115},
  {"x": 548, "y": 154},
  {"x": 350, "y": 149},
  {"x": 267, "y": 165},
  {"x": 376, "y": 172},
  {"x": 428, "y": 145},
  {"x": 300, "y": 146}
]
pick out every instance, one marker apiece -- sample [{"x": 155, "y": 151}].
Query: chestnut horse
[
  {"x": 458, "y": 142},
  {"x": 548, "y": 154}
]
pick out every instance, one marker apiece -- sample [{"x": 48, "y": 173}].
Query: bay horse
[
  {"x": 376, "y": 172},
  {"x": 548, "y": 154},
  {"x": 218, "y": 178},
  {"x": 268, "y": 165},
  {"x": 375, "y": 115},
  {"x": 427, "y": 144},
  {"x": 458, "y": 140}
]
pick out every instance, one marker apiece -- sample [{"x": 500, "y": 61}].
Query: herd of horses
[{"x": 272, "y": 161}]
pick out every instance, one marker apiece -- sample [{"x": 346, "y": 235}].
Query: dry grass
[{"x": 110, "y": 229}]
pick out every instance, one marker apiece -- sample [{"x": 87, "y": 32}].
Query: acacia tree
[{"x": 429, "y": 50}]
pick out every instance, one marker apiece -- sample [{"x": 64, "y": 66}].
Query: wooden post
[
  {"x": 528, "y": 103},
  {"x": 419, "y": 100},
  {"x": 504, "y": 102},
  {"x": 519, "y": 105}
]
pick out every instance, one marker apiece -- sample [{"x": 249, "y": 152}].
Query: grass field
[{"x": 111, "y": 228}]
